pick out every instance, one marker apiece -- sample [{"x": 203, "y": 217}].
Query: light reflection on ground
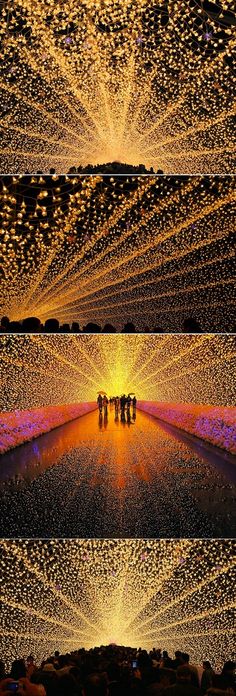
[{"x": 95, "y": 478}]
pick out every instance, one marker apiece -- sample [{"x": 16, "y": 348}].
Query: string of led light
[
  {"x": 103, "y": 591},
  {"x": 55, "y": 369},
  {"x": 98, "y": 82},
  {"x": 85, "y": 248}
]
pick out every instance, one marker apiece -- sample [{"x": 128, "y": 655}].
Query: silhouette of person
[
  {"x": 134, "y": 407},
  {"x": 109, "y": 328},
  {"x": 64, "y": 328},
  {"x": 99, "y": 402},
  {"x": 5, "y": 321},
  {"x": 105, "y": 405},
  {"x": 75, "y": 327},
  {"x": 92, "y": 328},
  {"x": 51, "y": 326},
  {"x": 129, "y": 327},
  {"x": 128, "y": 404},
  {"x": 122, "y": 403},
  {"x": 31, "y": 325},
  {"x": 191, "y": 325}
]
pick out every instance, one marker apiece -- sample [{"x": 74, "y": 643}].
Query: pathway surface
[{"x": 88, "y": 478}]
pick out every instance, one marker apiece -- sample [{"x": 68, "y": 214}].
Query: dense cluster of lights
[
  {"x": 124, "y": 81},
  {"x": 174, "y": 594},
  {"x": 56, "y": 369},
  {"x": 151, "y": 250}
]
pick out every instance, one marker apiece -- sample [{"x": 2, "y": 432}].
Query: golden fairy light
[
  {"x": 58, "y": 369},
  {"x": 97, "y": 82},
  {"x": 151, "y": 250},
  {"x": 72, "y": 593}
]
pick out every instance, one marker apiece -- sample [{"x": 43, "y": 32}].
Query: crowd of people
[
  {"x": 107, "y": 168},
  {"x": 113, "y": 168},
  {"x": 122, "y": 405},
  {"x": 34, "y": 325},
  {"x": 117, "y": 671}
]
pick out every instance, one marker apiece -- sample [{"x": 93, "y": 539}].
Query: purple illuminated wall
[
  {"x": 17, "y": 427},
  {"x": 215, "y": 424}
]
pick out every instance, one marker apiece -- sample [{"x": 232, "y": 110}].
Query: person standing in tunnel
[
  {"x": 122, "y": 402},
  {"x": 122, "y": 407},
  {"x": 129, "y": 401},
  {"x": 117, "y": 402},
  {"x": 99, "y": 403},
  {"x": 134, "y": 404},
  {"x": 105, "y": 405}
]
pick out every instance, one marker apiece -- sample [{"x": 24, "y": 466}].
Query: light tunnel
[
  {"x": 145, "y": 82},
  {"x": 72, "y": 593},
  {"x": 67, "y": 470},
  {"x": 183, "y": 379},
  {"x": 154, "y": 250}
]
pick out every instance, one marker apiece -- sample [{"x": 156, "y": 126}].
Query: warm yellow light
[
  {"x": 174, "y": 594},
  {"x": 56, "y": 369},
  {"x": 149, "y": 249},
  {"x": 136, "y": 82}
]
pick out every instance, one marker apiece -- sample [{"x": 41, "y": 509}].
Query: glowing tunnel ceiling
[
  {"x": 55, "y": 369},
  {"x": 72, "y": 593},
  {"x": 136, "y": 82},
  {"x": 149, "y": 250}
]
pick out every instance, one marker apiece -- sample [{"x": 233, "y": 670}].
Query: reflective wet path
[{"x": 96, "y": 478}]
